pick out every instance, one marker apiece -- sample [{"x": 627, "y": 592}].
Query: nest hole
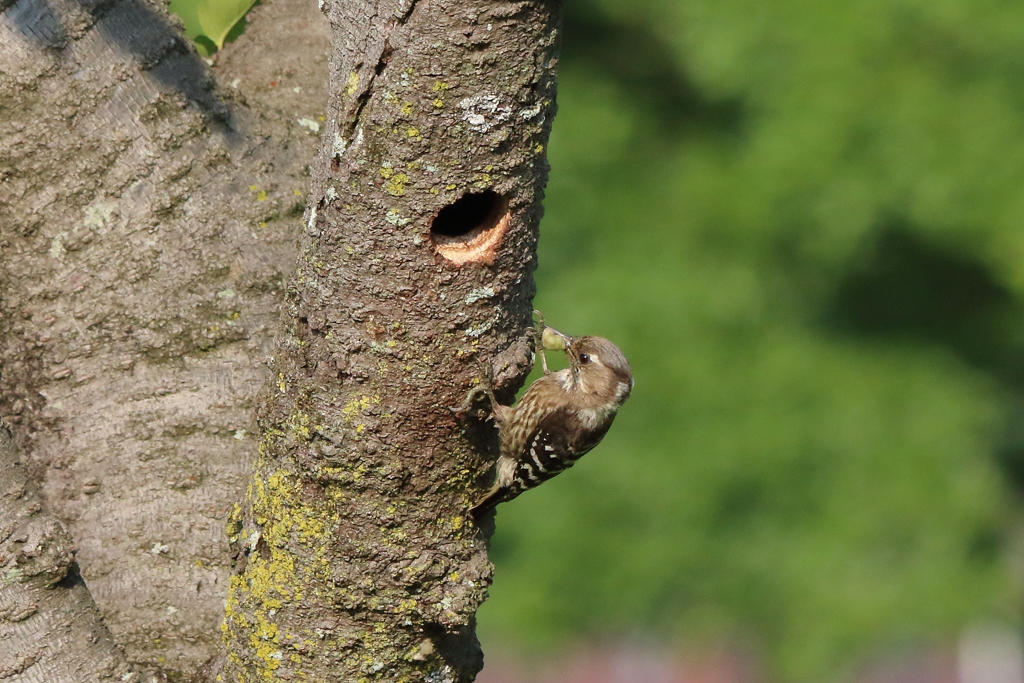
[{"x": 470, "y": 229}]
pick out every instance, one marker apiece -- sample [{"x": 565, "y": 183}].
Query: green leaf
[{"x": 213, "y": 19}]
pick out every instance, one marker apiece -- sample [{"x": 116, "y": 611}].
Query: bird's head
[{"x": 597, "y": 366}]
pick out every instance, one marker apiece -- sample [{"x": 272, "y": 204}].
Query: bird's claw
[
  {"x": 471, "y": 397},
  {"x": 483, "y": 388}
]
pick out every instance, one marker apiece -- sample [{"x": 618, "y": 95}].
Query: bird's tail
[{"x": 488, "y": 502}]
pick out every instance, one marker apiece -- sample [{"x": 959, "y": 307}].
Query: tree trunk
[
  {"x": 361, "y": 562},
  {"x": 146, "y": 223},
  {"x": 49, "y": 625}
]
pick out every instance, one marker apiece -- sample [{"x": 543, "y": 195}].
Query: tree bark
[
  {"x": 415, "y": 279},
  {"x": 146, "y": 224},
  {"x": 50, "y": 628},
  {"x": 146, "y": 221}
]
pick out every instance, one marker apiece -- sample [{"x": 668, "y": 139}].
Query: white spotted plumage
[{"x": 561, "y": 417}]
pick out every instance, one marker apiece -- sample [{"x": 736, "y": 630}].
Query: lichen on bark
[{"x": 357, "y": 558}]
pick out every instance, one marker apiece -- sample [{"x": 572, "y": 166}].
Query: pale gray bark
[
  {"x": 140, "y": 275},
  {"x": 50, "y": 629}
]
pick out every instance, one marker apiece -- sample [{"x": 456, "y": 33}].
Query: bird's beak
[{"x": 553, "y": 340}]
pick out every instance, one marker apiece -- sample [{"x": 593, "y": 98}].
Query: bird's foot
[{"x": 484, "y": 387}]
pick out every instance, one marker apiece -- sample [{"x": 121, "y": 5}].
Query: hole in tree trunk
[{"x": 470, "y": 229}]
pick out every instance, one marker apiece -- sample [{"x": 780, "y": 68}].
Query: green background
[{"x": 802, "y": 223}]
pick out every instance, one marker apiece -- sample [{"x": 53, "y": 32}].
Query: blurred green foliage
[{"x": 802, "y": 223}]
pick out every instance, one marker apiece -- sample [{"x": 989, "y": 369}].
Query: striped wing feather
[{"x": 558, "y": 441}]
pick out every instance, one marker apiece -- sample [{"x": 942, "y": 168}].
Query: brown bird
[{"x": 562, "y": 416}]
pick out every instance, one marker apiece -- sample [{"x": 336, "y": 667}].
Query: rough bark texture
[
  {"x": 360, "y": 560},
  {"x": 146, "y": 224},
  {"x": 50, "y": 629}
]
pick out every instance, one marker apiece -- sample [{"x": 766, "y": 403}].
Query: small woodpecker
[{"x": 562, "y": 416}]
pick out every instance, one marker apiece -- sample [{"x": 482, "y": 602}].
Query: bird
[{"x": 561, "y": 417}]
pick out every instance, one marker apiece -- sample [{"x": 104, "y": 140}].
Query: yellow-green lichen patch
[
  {"x": 263, "y": 641},
  {"x": 377, "y": 347},
  {"x": 300, "y": 425},
  {"x": 396, "y": 185},
  {"x": 396, "y": 182},
  {"x": 268, "y": 583},
  {"x": 285, "y": 512},
  {"x": 352, "y": 84},
  {"x": 234, "y": 524},
  {"x": 358, "y": 405},
  {"x": 276, "y": 575},
  {"x": 234, "y": 615}
]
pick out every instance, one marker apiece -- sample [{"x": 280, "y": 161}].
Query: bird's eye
[{"x": 584, "y": 358}]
